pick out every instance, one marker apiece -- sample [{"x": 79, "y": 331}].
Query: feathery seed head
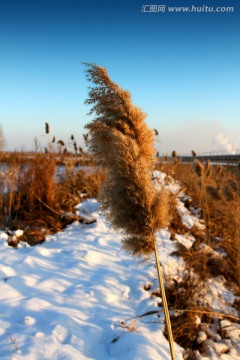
[
  {"x": 198, "y": 168},
  {"x": 122, "y": 143},
  {"x": 47, "y": 128}
]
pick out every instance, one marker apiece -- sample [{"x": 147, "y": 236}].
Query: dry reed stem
[
  {"x": 122, "y": 143},
  {"x": 199, "y": 311}
]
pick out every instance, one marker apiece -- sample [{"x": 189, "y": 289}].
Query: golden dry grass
[
  {"x": 33, "y": 200},
  {"x": 122, "y": 144}
]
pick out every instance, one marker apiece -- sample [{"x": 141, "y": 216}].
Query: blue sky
[{"x": 182, "y": 69}]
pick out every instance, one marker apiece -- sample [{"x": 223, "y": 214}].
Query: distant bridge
[{"x": 229, "y": 158}]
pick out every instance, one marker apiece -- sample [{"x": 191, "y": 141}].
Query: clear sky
[{"x": 182, "y": 69}]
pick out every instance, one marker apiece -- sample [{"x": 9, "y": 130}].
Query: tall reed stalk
[{"x": 122, "y": 144}]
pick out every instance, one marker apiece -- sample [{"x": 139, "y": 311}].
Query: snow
[
  {"x": 188, "y": 219},
  {"x": 73, "y": 297},
  {"x": 79, "y": 295}
]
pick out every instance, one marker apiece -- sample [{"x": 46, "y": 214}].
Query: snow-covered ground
[
  {"x": 71, "y": 298},
  {"x": 76, "y": 296}
]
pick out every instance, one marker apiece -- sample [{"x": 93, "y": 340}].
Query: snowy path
[{"x": 65, "y": 299}]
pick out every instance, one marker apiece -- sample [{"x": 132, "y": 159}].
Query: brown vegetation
[
  {"x": 34, "y": 199},
  {"x": 214, "y": 196},
  {"x": 122, "y": 144}
]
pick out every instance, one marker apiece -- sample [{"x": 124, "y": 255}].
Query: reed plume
[
  {"x": 198, "y": 168},
  {"x": 47, "y": 128},
  {"x": 123, "y": 145},
  {"x": 61, "y": 143}
]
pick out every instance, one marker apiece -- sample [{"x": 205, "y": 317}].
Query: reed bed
[
  {"x": 34, "y": 200},
  {"x": 214, "y": 196}
]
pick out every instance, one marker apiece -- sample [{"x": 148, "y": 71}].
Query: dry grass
[
  {"x": 122, "y": 144},
  {"x": 31, "y": 199},
  {"x": 214, "y": 190},
  {"x": 217, "y": 192}
]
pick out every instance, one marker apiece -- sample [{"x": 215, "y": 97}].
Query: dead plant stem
[
  {"x": 164, "y": 299},
  {"x": 47, "y": 206},
  {"x": 213, "y": 313}
]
